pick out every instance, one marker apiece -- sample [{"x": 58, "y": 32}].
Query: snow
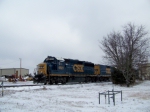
[{"x": 74, "y": 98}]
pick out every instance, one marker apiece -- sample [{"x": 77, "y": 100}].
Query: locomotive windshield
[{"x": 42, "y": 68}]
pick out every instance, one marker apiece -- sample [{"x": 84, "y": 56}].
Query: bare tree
[{"x": 126, "y": 49}]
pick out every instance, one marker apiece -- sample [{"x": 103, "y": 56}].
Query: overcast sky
[{"x": 34, "y": 29}]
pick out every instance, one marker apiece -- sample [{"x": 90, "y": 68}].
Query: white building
[
  {"x": 144, "y": 72},
  {"x": 14, "y": 71}
]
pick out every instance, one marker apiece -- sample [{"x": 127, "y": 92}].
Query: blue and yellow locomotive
[{"x": 60, "y": 70}]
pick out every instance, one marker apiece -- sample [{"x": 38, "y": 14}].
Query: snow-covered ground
[{"x": 75, "y": 98}]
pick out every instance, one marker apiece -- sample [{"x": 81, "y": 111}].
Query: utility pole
[{"x": 20, "y": 67}]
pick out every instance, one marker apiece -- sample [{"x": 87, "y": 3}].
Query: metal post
[
  {"x": 121, "y": 95},
  {"x": 114, "y": 98},
  {"x": 20, "y": 67},
  {"x": 108, "y": 98},
  {"x": 2, "y": 88},
  {"x": 99, "y": 98},
  {"x": 105, "y": 98},
  {"x": 113, "y": 93}
]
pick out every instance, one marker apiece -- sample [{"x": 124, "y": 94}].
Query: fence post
[
  {"x": 121, "y": 95},
  {"x": 99, "y": 98},
  {"x": 114, "y": 97},
  {"x": 2, "y": 88},
  {"x": 105, "y": 98},
  {"x": 108, "y": 98},
  {"x": 113, "y": 93}
]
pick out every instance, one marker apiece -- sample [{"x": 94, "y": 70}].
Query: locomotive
[{"x": 61, "y": 70}]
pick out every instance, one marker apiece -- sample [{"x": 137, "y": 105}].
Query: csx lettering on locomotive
[{"x": 78, "y": 68}]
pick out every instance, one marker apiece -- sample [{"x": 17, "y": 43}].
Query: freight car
[{"x": 60, "y": 70}]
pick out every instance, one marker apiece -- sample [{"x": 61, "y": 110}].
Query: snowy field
[{"x": 75, "y": 98}]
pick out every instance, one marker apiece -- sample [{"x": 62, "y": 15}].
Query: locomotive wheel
[
  {"x": 64, "y": 80},
  {"x": 61, "y": 81},
  {"x": 56, "y": 82},
  {"x": 50, "y": 82},
  {"x": 100, "y": 79},
  {"x": 92, "y": 79},
  {"x": 45, "y": 83},
  {"x": 86, "y": 80}
]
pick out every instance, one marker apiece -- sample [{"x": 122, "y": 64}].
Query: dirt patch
[{"x": 141, "y": 95}]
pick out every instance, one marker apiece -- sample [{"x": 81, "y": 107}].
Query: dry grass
[{"x": 141, "y": 95}]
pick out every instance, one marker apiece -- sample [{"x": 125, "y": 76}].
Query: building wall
[
  {"x": 12, "y": 71},
  {"x": 144, "y": 72},
  {"x": 148, "y": 71},
  {"x": 7, "y": 71},
  {"x": 23, "y": 71}
]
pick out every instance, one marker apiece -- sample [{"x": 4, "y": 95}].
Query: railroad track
[
  {"x": 26, "y": 85},
  {"x": 22, "y": 85},
  {"x": 19, "y": 85}
]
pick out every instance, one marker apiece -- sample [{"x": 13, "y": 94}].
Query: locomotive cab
[
  {"x": 41, "y": 75},
  {"x": 42, "y": 69}
]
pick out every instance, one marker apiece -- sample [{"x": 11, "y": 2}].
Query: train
[{"x": 55, "y": 70}]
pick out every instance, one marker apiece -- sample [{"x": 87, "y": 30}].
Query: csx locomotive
[{"x": 60, "y": 70}]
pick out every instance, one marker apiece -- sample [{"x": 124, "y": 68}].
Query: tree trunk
[
  {"x": 128, "y": 85},
  {"x": 127, "y": 82}
]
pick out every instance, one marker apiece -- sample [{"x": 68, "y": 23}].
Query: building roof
[{"x": 12, "y": 68}]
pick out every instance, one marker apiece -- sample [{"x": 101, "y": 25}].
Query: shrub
[{"x": 117, "y": 77}]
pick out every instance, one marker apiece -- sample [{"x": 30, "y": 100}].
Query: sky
[{"x": 34, "y": 29}]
